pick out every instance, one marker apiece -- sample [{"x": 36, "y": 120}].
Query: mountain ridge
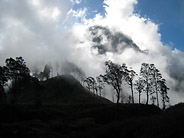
[{"x": 63, "y": 89}]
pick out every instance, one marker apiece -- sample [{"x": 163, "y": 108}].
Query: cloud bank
[{"x": 45, "y": 31}]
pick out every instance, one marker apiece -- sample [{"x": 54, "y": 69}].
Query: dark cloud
[
  {"x": 107, "y": 41},
  {"x": 176, "y": 69}
]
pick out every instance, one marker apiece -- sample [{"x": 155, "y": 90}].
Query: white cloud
[
  {"x": 120, "y": 17},
  {"x": 46, "y": 31},
  {"x": 78, "y": 13},
  {"x": 76, "y": 1},
  {"x": 33, "y": 29}
]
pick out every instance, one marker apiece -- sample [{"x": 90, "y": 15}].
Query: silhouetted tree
[
  {"x": 145, "y": 73},
  {"x": 139, "y": 87},
  {"x": 153, "y": 82},
  {"x": 113, "y": 76},
  {"x": 164, "y": 93},
  {"x": 156, "y": 77},
  {"x": 17, "y": 71},
  {"x": 129, "y": 76}
]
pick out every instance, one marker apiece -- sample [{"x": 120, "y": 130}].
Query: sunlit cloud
[{"x": 45, "y": 31}]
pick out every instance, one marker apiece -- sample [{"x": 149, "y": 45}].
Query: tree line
[
  {"x": 15, "y": 75},
  {"x": 149, "y": 81}
]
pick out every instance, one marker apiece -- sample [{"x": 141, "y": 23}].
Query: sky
[
  {"x": 90, "y": 32},
  {"x": 168, "y": 14}
]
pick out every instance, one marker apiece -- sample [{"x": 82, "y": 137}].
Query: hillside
[
  {"x": 63, "y": 89},
  {"x": 92, "y": 121},
  {"x": 73, "y": 121},
  {"x": 69, "y": 111}
]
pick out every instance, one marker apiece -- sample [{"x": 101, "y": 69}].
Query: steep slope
[{"x": 59, "y": 90}]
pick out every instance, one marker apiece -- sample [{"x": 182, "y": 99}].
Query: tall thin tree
[
  {"x": 113, "y": 76},
  {"x": 129, "y": 76},
  {"x": 145, "y": 74},
  {"x": 139, "y": 87},
  {"x": 164, "y": 93},
  {"x": 156, "y": 77}
]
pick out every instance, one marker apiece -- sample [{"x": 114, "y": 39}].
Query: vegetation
[
  {"x": 41, "y": 106},
  {"x": 114, "y": 75},
  {"x": 149, "y": 81},
  {"x": 16, "y": 73}
]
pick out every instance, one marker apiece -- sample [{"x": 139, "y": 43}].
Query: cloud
[
  {"x": 121, "y": 27},
  {"x": 106, "y": 41},
  {"x": 78, "y": 13},
  {"x": 45, "y": 31},
  {"x": 33, "y": 29},
  {"x": 76, "y": 1}
]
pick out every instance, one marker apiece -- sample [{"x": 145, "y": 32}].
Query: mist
[{"x": 45, "y": 32}]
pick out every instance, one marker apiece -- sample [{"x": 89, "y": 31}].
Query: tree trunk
[
  {"x": 147, "y": 95},
  {"x": 157, "y": 95},
  {"x": 157, "y": 98},
  {"x": 163, "y": 100},
  {"x": 147, "y": 92},
  {"x": 132, "y": 93},
  {"x": 163, "y": 108},
  {"x": 118, "y": 95},
  {"x": 139, "y": 97}
]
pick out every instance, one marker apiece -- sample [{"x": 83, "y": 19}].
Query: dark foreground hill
[
  {"x": 68, "y": 110},
  {"x": 73, "y": 121},
  {"x": 63, "y": 89},
  {"x": 91, "y": 121}
]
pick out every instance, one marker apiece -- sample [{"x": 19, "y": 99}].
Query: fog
[{"x": 43, "y": 31}]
